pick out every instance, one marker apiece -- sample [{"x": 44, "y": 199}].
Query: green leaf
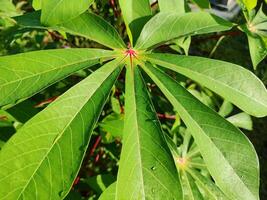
[
  {"x": 230, "y": 157},
  {"x": 23, "y": 75},
  {"x": 56, "y": 140},
  {"x": 95, "y": 28},
  {"x": 204, "y": 4},
  {"x": 168, "y": 26},
  {"x": 109, "y": 193},
  {"x": 241, "y": 120},
  {"x": 37, "y": 4},
  {"x": 191, "y": 191},
  {"x": 226, "y": 108},
  {"x": 113, "y": 124},
  {"x": 172, "y": 5},
  {"x": 135, "y": 15},
  {"x": 7, "y": 8},
  {"x": 248, "y": 4},
  {"x": 231, "y": 81},
  {"x": 146, "y": 168},
  {"x": 100, "y": 182},
  {"x": 54, "y": 13},
  {"x": 256, "y": 30},
  {"x": 212, "y": 192},
  {"x": 257, "y": 49},
  {"x": 87, "y": 25}
]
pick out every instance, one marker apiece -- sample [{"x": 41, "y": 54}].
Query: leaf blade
[
  {"x": 167, "y": 26},
  {"x": 146, "y": 164},
  {"x": 33, "y": 74},
  {"x": 58, "y": 12},
  {"x": 231, "y": 81},
  {"x": 135, "y": 14},
  {"x": 87, "y": 25},
  {"x": 52, "y": 137},
  {"x": 224, "y": 148}
]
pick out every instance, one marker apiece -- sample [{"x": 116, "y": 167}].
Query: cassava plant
[{"x": 43, "y": 158}]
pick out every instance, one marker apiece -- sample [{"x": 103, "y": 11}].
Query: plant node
[{"x": 182, "y": 163}]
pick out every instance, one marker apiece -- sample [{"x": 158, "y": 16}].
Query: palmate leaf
[
  {"x": 234, "y": 83},
  {"x": 168, "y": 26},
  {"x": 25, "y": 74},
  {"x": 87, "y": 25},
  {"x": 95, "y": 28},
  {"x": 43, "y": 158},
  {"x": 57, "y": 12},
  {"x": 146, "y": 168},
  {"x": 228, "y": 154},
  {"x": 135, "y": 14}
]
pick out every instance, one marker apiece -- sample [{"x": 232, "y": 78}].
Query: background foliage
[{"x": 100, "y": 166}]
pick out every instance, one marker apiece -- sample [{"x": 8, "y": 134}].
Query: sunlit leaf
[
  {"x": 43, "y": 158},
  {"x": 146, "y": 166},
  {"x": 230, "y": 157},
  {"x": 57, "y": 12},
  {"x": 168, "y": 26},
  {"x": 234, "y": 83},
  {"x": 23, "y": 75}
]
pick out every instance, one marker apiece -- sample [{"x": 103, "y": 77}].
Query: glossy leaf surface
[
  {"x": 42, "y": 159},
  {"x": 109, "y": 193},
  {"x": 87, "y": 25},
  {"x": 231, "y": 81},
  {"x": 57, "y": 12},
  {"x": 167, "y": 26},
  {"x": 95, "y": 28},
  {"x": 172, "y": 5},
  {"x": 23, "y": 75},
  {"x": 146, "y": 168},
  {"x": 227, "y": 152}
]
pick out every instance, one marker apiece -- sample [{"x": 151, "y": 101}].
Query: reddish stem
[
  {"x": 47, "y": 101},
  {"x": 98, "y": 140},
  {"x": 164, "y": 116}
]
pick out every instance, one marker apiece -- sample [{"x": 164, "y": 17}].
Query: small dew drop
[
  {"x": 153, "y": 190},
  {"x": 153, "y": 168}
]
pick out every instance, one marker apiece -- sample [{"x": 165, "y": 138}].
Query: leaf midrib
[
  {"x": 202, "y": 75},
  {"x": 60, "y": 136},
  {"x": 177, "y": 104}
]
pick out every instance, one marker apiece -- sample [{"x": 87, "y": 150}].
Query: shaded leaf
[
  {"x": 135, "y": 14},
  {"x": 191, "y": 191},
  {"x": 241, "y": 120},
  {"x": 100, "y": 182},
  {"x": 113, "y": 124},
  {"x": 56, "y": 140}
]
